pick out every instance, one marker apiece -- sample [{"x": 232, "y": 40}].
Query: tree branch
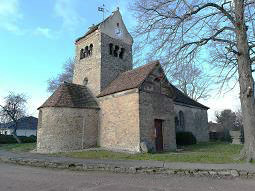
[
  {"x": 220, "y": 8},
  {"x": 213, "y": 37}
]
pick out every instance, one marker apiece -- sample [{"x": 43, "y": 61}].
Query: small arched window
[
  {"x": 82, "y": 53},
  {"x": 86, "y": 51},
  {"x": 110, "y": 48},
  {"x": 176, "y": 122},
  {"x": 90, "y": 49},
  {"x": 122, "y": 50},
  {"x": 181, "y": 120},
  {"x": 85, "y": 81},
  {"x": 116, "y": 50}
]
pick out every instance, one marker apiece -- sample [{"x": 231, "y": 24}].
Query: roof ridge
[
  {"x": 123, "y": 78},
  {"x": 143, "y": 66},
  {"x": 70, "y": 83}
]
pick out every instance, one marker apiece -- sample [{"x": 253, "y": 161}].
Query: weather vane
[{"x": 102, "y": 9}]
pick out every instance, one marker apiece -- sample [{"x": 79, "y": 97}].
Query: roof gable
[
  {"x": 130, "y": 79},
  {"x": 136, "y": 77}
]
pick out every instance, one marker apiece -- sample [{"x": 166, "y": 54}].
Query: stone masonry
[
  {"x": 119, "y": 121},
  {"x": 111, "y": 105},
  {"x": 58, "y": 132},
  {"x": 195, "y": 121}
]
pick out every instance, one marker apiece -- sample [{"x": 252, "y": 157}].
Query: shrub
[
  {"x": 25, "y": 139},
  {"x": 9, "y": 139},
  {"x": 185, "y": 138}
]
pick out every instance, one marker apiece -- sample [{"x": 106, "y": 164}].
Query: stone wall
[
  {"x": 156, "y": 103},
  {"x": 156, "y": 106},
  {"x": 112, "y": 66},
  {"x": 66, "y": 129},
  {"x": 89, "y": 67},
  {"x": 100, "y": 68},
  {"x": 119, "y": 121},
  {"x": 195, "y": 121}
]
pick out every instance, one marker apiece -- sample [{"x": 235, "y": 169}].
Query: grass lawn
[
  {"x": 23, "y": 147},
  {"x": 213, "y": 152}
]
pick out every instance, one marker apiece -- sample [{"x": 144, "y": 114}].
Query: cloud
[
  {"x": 218, "y": 103},
  {"x": 45, "y": 32},
  {"x": 66, "y": 10},
  {"x": 10, "y": 16}
]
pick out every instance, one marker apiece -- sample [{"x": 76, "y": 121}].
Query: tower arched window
[
  {"x": 86, "y": 51},
  {"x": 122, "y": 51},
  {"x": 85, "y": 81},
  {"x": 181, "y": 120},
  {"x": 82, "y": 53},
  {"x": 90, "y": 49},
  {"x": 116, "y": 50}
]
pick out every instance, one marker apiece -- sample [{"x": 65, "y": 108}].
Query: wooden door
[{"x": 159, "y": 135}]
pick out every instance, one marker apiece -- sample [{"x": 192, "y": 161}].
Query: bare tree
[
  {"x": 12, "y": 110},
  {"x": 66, "y": 75},
  {"x": 191, "y": 80},
  {"x": 188, "y": 30},
  {"x": 188, "y": 77}
]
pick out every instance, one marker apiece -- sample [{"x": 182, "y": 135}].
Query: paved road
[{"x": 21, "y": 178}]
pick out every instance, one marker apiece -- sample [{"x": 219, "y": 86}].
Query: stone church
[{"x": 111, "y": 105}]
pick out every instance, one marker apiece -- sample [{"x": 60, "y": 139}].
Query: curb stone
[{"x": 219, "y": 173}]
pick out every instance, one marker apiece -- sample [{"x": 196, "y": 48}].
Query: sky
[{"x": 37, "y": 37}]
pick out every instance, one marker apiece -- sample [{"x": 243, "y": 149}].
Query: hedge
[
  {"x": 185, "y": 138},
  {"x": 9, "y": 139}
]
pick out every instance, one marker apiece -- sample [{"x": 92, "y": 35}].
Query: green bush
[
  {"x": 9, "y": 139},
  {"x": 185, "y": 138},
  {"x": 30, "y": 139}
]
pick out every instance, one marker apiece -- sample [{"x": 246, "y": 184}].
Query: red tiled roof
[
  {"x": 134, "y": 78},
  {"x": 71, "y": 95},
  {"x": 130, "y": 79}
]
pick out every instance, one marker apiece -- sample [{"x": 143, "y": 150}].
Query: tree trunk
[
  {"x": 14, "y": 134},
  {"x": 16, "y": 137},
  {"x": 245, "y": 82}
]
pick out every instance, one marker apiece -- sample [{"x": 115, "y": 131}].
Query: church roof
[
  {"x": 71, "y": 95},
  {"x": 134, "y": 78},
  {"x": 129, "y": 80},
  {"x": 182, "y": 98}
]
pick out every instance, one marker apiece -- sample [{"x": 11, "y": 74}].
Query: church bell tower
[{"x": 103, "y": 53}]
